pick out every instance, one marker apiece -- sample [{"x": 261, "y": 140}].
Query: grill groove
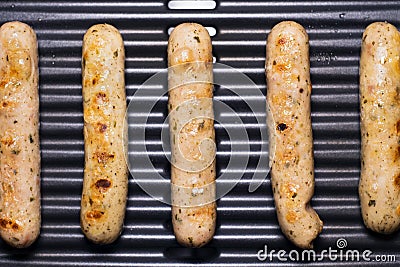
[{"x": 246, "y": 221}]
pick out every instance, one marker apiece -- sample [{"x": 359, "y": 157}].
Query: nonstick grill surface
[{"x": 246, "y": 221}]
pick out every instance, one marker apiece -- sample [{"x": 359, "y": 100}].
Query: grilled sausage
[
  {"x": 193, "y": 162},
  {"x": 379, "y": 187},
  {"x": 19, "y": 135},
  {"x": 105, "y": 182},
  {"x": 289, "y": 122}
]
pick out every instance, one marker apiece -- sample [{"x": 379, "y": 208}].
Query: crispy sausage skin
[
  {"x": 105, "y": 182},
  {"x": 291, "y": 143},
  {"x": 379, "y": 187},
  {"x": 194, "y": 225},
  {"x": 19, "y": 135}
]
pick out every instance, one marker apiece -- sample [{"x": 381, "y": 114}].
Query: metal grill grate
[{"x": 246, "y": 221}]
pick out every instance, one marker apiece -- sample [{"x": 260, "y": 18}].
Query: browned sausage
[
  {"x": 291, "y": 142},
  {"x": 379, "y": 187},
  {"x": 105, "y": 130},
  {"x": 189, "y": 43},
  {"x": 19, "y": 135}
]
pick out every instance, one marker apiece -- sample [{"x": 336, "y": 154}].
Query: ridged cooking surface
[{"x": 246, "y": 221}]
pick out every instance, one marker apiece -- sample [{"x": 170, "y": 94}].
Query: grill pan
[{"x": 246, "y": 221}]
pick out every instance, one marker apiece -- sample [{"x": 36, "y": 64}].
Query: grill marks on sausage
[
  {"x": 286, "y": 43},
  {"x": 282, "y": 67},
  {"x": 20, "y": 161},
  {"x": 95, "y": 200},
  {"x": 198, "y": 214},
  {"x": 94, "y": 63},
  {"x": 3, "y": 83},
  {"x": 8, "y": 78},
  {"x": 94, "y": 214},
  {"x": 291, "y": 216},
  {"x": 284, "y": 127},
  {"x": 95, "y": 80},
  {"x": 96, "y": 197},
  {"x": 100, "y": 105},
  {"x": 19, "y": 65},
  {"x": 6, "y": 103},
  {"x": 396, "y": 153},
  {"x": 8, "y": 140},
  {"x": 397, "y": 150},
  {"x": 290, "y": 190},
  {"x": 101, "y": 98},
  {"x": 103, "y": 157},
  {"x": 194, "y": 226},
  {"x": 396, "y": 181},
  {"x": 281, "y": 127},
  {"x": 103, "y": 185},
  {"x": 398, "y": 127},
  {"x": 7, "y": 223},
  {"x": 282, "y": 41},
  {"x": 288, "y": 94},
  {"x": 290, "y": 156},
  {"x": 101, "y": 127}
]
